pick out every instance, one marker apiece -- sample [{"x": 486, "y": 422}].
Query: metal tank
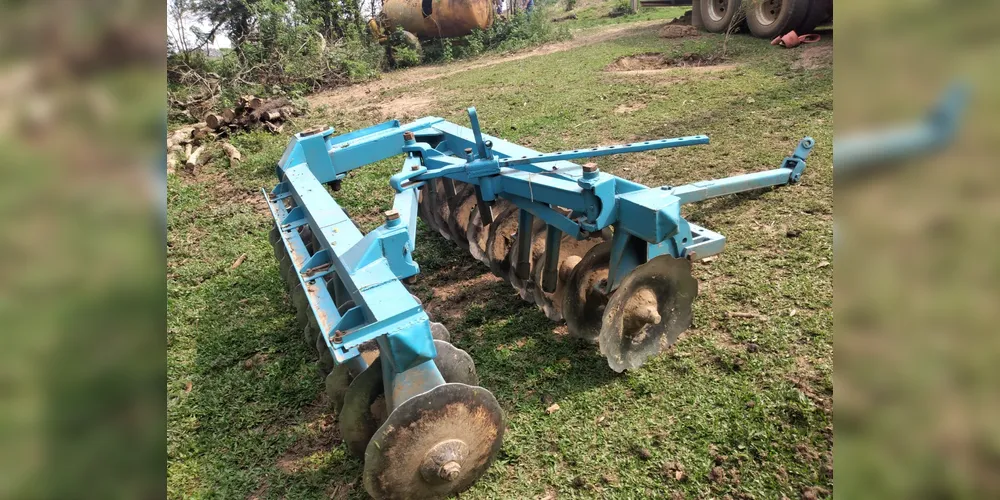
[{"x": 438, "y": 18}]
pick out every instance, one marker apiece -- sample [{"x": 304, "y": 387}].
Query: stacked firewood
[{"x": 249, "y": 113}]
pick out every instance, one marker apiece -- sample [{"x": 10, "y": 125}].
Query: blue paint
[{"x": 369, "y": 268}]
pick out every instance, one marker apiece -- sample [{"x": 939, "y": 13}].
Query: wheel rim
[
  {"x": 717, "y": 9},
  {"x": 766, "y": 12}
]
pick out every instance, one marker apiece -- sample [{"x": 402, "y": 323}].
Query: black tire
[
  {"x": 773, "y": 18},
  {"x": 717, "y": 15},
  {"x": 818, "y": 13}
]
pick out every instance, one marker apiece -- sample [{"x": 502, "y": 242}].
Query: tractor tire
[
  {"x": 819, "y": 12},
  {"x": 717, "y": 15},
  {"x": 773, "y": 18}
]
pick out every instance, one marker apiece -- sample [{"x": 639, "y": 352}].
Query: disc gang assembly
[{"x": 609, "y": 256}]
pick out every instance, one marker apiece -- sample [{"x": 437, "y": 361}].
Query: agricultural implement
[{"x": 610, "y": 256}]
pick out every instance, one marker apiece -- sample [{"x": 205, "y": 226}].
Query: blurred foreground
[
  {"x": 82, "y": 296},
  {"x": 917, "y": 278}
]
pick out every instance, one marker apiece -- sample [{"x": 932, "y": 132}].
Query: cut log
[
  {"x": 203, "y": 133},
  {"x": 193, "y": 158},
  {"x": 255, "y": 103},
  {"x": 229, "y": 115},
  {"x": 271, "y": 105},
  {"x": 270, "y": 116},
  {"x": 233, "y": 154},
  {"x": 187, "y": 151},
  {"x": 214, "y": 121}
]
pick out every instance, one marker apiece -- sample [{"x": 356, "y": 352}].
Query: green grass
[{"x": 252, "y": 424}]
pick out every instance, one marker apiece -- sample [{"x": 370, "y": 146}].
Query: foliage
[
  {"x": 296, "y": 47},
  {"x": 621, "y": 8},
  {"x": 506, "y": 34},
  {"x": 403, "y": 49}
]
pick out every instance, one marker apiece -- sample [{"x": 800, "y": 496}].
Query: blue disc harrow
[{"x": 609, "y": 256}]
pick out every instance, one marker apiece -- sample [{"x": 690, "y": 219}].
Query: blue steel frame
[{"x": 369, "y": 268}]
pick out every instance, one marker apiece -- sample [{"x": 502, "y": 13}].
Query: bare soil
[
  {"x": 359, "y": 96},
  {"x": 658, "y": 61},
  {"x": 814, "y": 57}
]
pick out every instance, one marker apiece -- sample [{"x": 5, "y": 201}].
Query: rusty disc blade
[
  {"x": 363, "y": 410},
  {"x": 443, "y": 210},
  {"x": 585, "y": 300},
  {"x": 501, "y": 237},
  {"x": 455, "y": 364},
  {"x": 458, "y": 216},
  {"x": 523, "y": 286},
  {"x": 340, "y": 378},
  {"x": 647, "y": 312},
  {"x": 440, "y": 332},
  {"x": 477, "y": 236},
  {"x": 435, "y": 445}
]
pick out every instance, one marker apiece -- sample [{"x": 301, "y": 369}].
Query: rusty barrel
[{"x": 439, "y": 18}]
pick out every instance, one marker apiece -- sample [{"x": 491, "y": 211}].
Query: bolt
[
  {"x": 338, "y": 337},
  {"x": 590, "y": 167},
  {"x": 391, "y": 215},
  {"x": 415, "y": 168},
  {"x": 335, "y": 185},
  {"x": 450, "y": 471},
  {"x": 468, "y": 151},
  {"x": 407, "y": 136}
]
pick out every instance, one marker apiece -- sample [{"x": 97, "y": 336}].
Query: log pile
[{"x": 250, "y": 113}]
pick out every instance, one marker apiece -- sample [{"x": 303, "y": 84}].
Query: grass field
[{"x": 740, "y": 407}]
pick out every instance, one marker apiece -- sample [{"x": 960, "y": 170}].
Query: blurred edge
[
  {"x": 918, "y": 274},
  {"x": 82, "y": 281}
]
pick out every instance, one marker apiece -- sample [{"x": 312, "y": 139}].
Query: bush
[
  {"x": 570, "y": 5},
  {"x": 622, "y": 8},
  {"x": 506, "y": 34}
]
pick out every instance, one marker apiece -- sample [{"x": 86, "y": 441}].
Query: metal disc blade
[
  {"x": 647, "y": 313},
  {"x": 435, "y": 444},
  {"x": 364, "y": 409},
  {"x": 523, "y": 286},
  {"x": 337, "y": 382},
  {"x": 340, "y": 378},
  {"x": 571, "y": 252},
  {"x": 441, "y": 214},
  {"x": 423, "y": 207},
  {"x": 440, "y": 332},
  {"x": 455, "y": 364},
  {"x": 501, "y": 238},
  {"x": 585, "y": 300},
  {"x": 477, "y": 237},
  {"x": 458, "y": 217}
]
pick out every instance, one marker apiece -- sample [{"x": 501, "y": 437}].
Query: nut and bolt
[
  {"x": 415, "y": 168},
  {"x": 338, "y": 337},
  {"x": 391, "y": 215},
  {"x": 450, "y": 471},
  {"x": 468, "y": 151},
  {"x": 407, "y": 136},
  {"x": 590, "y": 167}
]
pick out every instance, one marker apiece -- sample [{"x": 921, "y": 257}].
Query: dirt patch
[
  {"x": 658, "y": 61},
  {"x": 404, "y": 108},
  {"x": 450, "y": 300},
  {"x": 625, "y": 109},
  {"x": 814, "y": 57},
  {"x": 358, "y": 95},
  {"x": 678, "y": 31}
]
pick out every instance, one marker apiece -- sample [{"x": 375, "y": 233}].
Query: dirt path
[{"x": 360, "y": 95}]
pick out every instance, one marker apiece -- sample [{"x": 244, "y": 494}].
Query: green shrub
[{"x": 621, "y": 8}]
